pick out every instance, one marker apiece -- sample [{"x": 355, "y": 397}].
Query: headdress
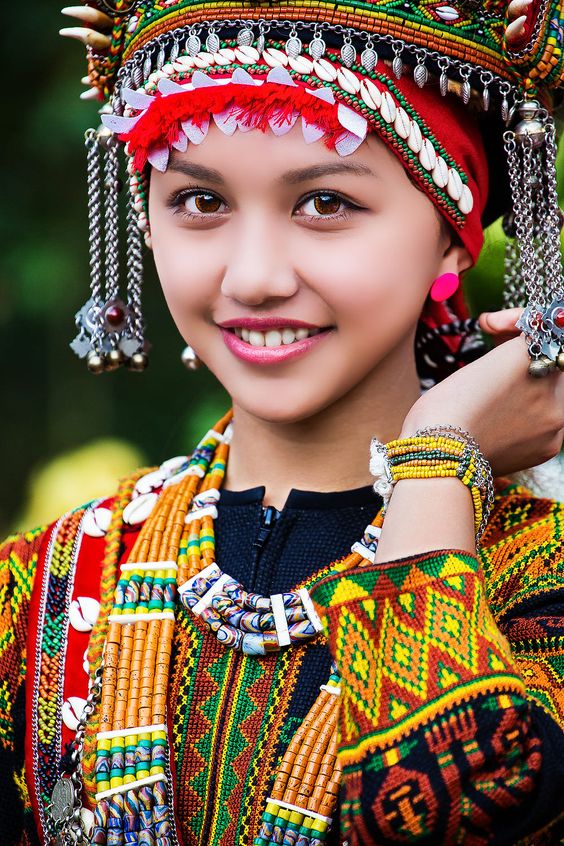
[{"x": 166, "y": 68}]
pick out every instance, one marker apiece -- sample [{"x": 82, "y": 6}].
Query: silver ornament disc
[
  {"x": 317, "y": 47},
  {"x": 369, "y": 59},
  {"x": 193, "y": 45},
  {"x": 348, "y": 54},
  {"x": 62, "y": 800},
  {"x": 245, "y": 38},
  {"x": 212, "y": 43},
  {"x": 293, "y": 47}
]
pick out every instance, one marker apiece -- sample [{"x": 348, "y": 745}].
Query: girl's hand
[{"x": 517, "y": 420}]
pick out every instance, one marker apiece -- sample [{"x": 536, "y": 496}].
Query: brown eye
[
  {"x": 207, "y": 203},
  {"x": 326, "y": 204}
]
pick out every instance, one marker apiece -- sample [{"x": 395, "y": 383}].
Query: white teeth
[
  {"x": 273, "y": 338},
  {"x": 256, "y": 339},
  {"x": 288, "y": 336}
]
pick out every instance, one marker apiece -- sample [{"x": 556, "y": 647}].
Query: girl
[{"x": 254, "y": 644}]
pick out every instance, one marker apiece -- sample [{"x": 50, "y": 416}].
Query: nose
[{"x": 259, "y": 267}]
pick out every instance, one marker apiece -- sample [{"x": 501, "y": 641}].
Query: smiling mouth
[{"x": 282, "y": 336}]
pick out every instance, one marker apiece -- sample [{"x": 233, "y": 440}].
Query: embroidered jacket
[{"x": 452, "y": 712}]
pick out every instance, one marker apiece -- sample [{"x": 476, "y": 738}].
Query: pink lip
[
  {"x": 265, "y": 356},
  {"x": 263, "y": 324}
]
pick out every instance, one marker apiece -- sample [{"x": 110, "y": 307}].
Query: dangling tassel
[
  {"x": 304, "y": 796},
  {"x": 531, "y": 155},
  {"x": 133, "y": 344},
  {"x": 87, "y": 342},
  {"x": 110, "y": 332}
]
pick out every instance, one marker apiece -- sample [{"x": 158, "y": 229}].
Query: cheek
[
  {"x": 373, "y": 277},
  {"x": 188, "y": 268}
]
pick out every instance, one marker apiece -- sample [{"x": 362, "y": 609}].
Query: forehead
[{"x": 287, "y": 159}]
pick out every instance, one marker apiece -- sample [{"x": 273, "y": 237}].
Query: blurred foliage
[{"x": 51, "y": 405}]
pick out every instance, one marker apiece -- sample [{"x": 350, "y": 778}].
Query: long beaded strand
[{"x": 177, "y": 546}]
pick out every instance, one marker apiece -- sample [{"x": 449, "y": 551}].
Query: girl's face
[{"x": 297, "y": 275}]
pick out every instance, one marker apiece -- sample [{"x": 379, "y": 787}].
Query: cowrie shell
[
  {"x": 96, "y": 522},
  {"x": 415, "y": 140},
  {"x": 87, "y": 818},
  {"x": 427, "y": 155},
  {"x": 388, "y": 107},
  {"x": 85, "y": 664},
  {"x": 325, "y": 70},
  {"x": 371, "y": 95},
  {"x": 301, "y": 64},
  {"x": 221, "y": 60},
  {"x": 139, "y": 508},
  {"x": 447, "y": 13},
  {"x": 466, "y": 202},
  {"x": 150, "y": 481},
  {"x": 275, "y": 58},
  {"x": 455, "y": 185},
  {"x": 171, "y": 465},
  {"x": 168, "y": 69},
  {"x": 247, "y": 55},
  {"x": 184, "y": 61},
  {"x": 402, "y": 123},
  {"x": 203, "y": 60},
  {"x": 440, "y": 173},
  {"x": 72, "y": 711},
  {"x": 227, "y": 53},
  {"x": 83, "y": 613},
  {"x": 348, "y": 81}
]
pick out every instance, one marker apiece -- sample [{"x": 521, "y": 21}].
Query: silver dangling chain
[
  {"x": 530, "y": 150},
  {"x": 111, "y": 206},
  {"x": 133, "y": 344},
  {"x": 65, "y": 826}
]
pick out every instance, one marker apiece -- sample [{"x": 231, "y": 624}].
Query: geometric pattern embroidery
[{"x": 412, "y": 654}]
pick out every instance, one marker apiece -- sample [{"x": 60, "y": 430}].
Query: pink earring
[{"x": 444, "y": 287}]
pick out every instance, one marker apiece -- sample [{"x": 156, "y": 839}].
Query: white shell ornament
[
  {"x": 466, "y": 202},
  {"x": 139, "y": 508},
  {"x": 447, "y": 13},
  {"x": 83, "y": 613},
  {"x": 96, "y": 522},
  {"x": 72, "y": 711}
]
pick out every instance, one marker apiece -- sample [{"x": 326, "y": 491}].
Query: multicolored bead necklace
[{"x": 174, "y": 556}]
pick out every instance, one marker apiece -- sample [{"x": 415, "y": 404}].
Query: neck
[{"x": 328, "y": 451}]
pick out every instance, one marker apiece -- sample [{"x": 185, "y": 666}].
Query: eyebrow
[
  {"x": 196, "y": 171},
  {"x": 291, "y": 177}
]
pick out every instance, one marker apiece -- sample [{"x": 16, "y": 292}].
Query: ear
[{"x": 456, "y": 259}]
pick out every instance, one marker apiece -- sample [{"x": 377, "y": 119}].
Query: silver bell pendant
[{"x": 189, "y": 358}]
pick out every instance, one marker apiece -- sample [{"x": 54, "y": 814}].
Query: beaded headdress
[{"x": 166, "y": 68}]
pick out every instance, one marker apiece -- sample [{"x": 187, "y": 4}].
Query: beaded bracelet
[{"x": 436, "y": 451}]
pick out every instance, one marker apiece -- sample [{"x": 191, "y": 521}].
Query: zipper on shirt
[{"x": 268, "y": 518}]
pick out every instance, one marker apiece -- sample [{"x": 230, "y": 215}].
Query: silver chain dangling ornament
[
  {"x": 531, "y": 153},
  {"x": 110, "y": 332}
]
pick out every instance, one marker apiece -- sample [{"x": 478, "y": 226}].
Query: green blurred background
[{"x": 74, "y": 434}]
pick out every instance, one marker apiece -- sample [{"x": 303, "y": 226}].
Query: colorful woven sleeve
[
  {"x": 18, "y": 561},
  {"x": 440, "y": 740}
]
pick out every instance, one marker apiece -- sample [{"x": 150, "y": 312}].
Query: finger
[{"x": 500, "y": 322}]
